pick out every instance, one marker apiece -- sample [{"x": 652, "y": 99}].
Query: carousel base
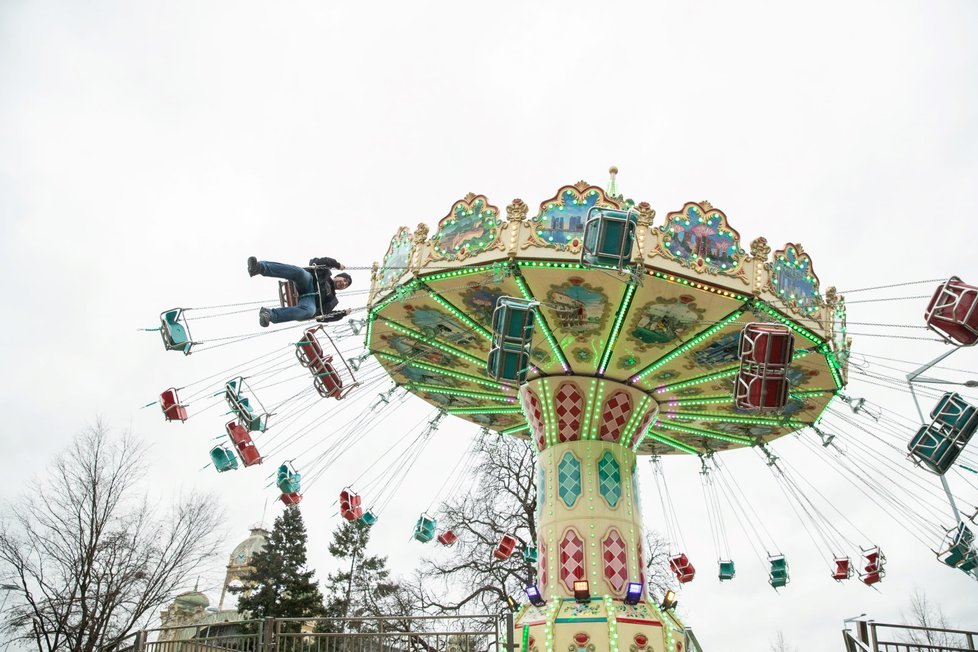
[{"x": 598, "y": 625}]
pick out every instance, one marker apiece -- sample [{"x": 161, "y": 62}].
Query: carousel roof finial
[{"x": 612, "y": 186}]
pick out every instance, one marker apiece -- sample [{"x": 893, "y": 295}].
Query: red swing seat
[
  {"x": 684, "y": 571},
  {"x": 505, "y": 548},
  {"x": 326, "y": 379},
  {"x": 293, "y": 498},
  {"x": 170, "y": 404},
  {"x": 843, "y": 569},
  {"x": 953, "y": 312},
  {"x": 350, "y": 508},
  {"x": 447, "y": 538},
  {"x": 241, "y": 439}
]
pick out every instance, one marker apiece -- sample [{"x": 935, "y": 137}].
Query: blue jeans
[{"x": 305, "y": 285}]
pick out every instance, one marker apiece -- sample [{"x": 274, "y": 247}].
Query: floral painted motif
[
  {"x": 699, "y": 238},
  {"x": 793, "y": 280},
  {"x": 470, "y": 227}
]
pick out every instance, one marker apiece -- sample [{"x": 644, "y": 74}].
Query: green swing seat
[
  {"x": 288, "y": 479},
  {"x": 368, "y": 518},
  {"x": 512, "y": 333},
  {"x": 223, "y": 459},
  {"x": 175, "y": 331},
  {"x": 778, "y": 575},
  {"x": 241, "y": 406},
  {"x": 530, "y": 554},
  {"x": 961, "y": 552},
  {"x": 937, "y": 445},
  {"x": 424, "y": 529},
  {"x": 608, "y": 237},
  {"x": 727, "y": 570}
]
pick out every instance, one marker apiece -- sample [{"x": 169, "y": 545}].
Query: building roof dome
[
  {"x": 191, "y": 600},
  {"x": 242, "y": 553}
]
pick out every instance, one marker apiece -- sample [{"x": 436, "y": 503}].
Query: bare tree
[
  {"x": 924, "y": 613},
  {"x": 781, "y": 645},
  {"x": 86, "y": 556},
  {"x": 503, "y": 500}
]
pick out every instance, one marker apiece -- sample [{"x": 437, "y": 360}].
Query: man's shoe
[
  {"x": 253, "y": 268},
  {"x": 264, "y": 317}
]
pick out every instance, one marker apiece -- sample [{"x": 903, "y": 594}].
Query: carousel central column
[{"x": 589, "y": 519}]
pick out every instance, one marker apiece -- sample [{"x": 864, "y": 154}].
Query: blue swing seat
[
  {"x": 512, "y": 335},
  {"x": 424, "y": 529},
  {"x": 288, "y": 480},
  {"x": 778, "y": 575},
  {"x": 240, "y": 405},
  {"x": 727, "y": 570},
  {"x": 937, "y": 445},
  {"x": 608, "y": 237},
  {"x": 223, "y": 459},
  {"x": 175, "y": 331}
]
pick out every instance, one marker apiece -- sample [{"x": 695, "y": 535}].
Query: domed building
[{"x": 190, "y": 612}]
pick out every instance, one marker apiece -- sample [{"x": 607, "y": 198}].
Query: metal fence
[
  {"x": 871, "y": 636},
  {"x": 488, "y": 633}
]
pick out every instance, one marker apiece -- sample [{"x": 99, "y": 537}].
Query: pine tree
[
  {"x": 280, "y": 586},
  {"x": 363, "y": 588}
]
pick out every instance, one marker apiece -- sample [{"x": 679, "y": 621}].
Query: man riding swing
[{"x": 315, "y": 285}]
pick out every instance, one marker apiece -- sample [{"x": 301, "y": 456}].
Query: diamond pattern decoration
[
  {"x": 571, "y": 559},
  {"x": 614, "y": 416},
  {"x": 542, "y": 561},
  {"x": 569, "y": 479},
  {"x": 541, "y": 487},
  {"x": 609, "y": 479},
  {"x": 569, "y": 406},
  {"x": 615, "y": 560},
  {"x": 641, "y": 563},
  {"x": 644, "y": 425},
  {"x": 534, "y": 415}
]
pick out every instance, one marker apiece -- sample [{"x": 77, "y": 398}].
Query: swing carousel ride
[{"x": 600, "y": 334}]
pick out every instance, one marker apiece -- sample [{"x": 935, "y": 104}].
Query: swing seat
[
  {"x": 241, "y": 439},
  {"x": 368, "y": 518},
  {"x": 936, "y": 446},
  {"x": 350, "y": 508},
  {"x": 293, "y": 498},
  {"x": 505, "y": 548},
  {"x": 760, "y": 388},
  {"x": 512, "y": 321},
  {"x": 240, "y": 405},
  {"x": 424, "y": 529},
  {"x": 843, "y": 569},
  {"x": 933, "y": 449},
  {"x": 223, "y": 459},
  {"x": 327, "y": 379},
  {"x": 170, "y": 404},
  {"x": 447, "y": 538},
  {"x": 287, "y": 480},
  {"x": 509, "y": 363},
  {"x": 175, "y": 331},
  {"x": 530, "y": 555},
  {"x": 327, "y": 382},
  {"x": 766, "y": 344},
  {"x": 953, "y": 411},
  {"x": 727, "y": 570},
  {"x": 288, "y": 295},
  {"x": 778, "y": 575},
  {"x": 960, "y": 551},
  {"x": 873, "y": 571},
  {"x": 308, "y": 350},
  {"x": 683, "y": 570},
  {"x": 608, "y": 237},
  {"x": 953, "y": 312}
]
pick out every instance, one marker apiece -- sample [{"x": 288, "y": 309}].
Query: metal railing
[
  {"x": 486, "y": 633},
  {"x": 882, "y": 637}
]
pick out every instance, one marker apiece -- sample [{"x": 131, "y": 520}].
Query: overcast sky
[{"x": 148, "y": 148}]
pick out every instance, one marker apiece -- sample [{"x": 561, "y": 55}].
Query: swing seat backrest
[
  {"x": 953, "y": 312},
  {"x": 175, "y": 334},
  {"x": 447, "y": 538},
  {"x": 608, "y": 237},
  {"x": 292, "y": 498},
  {"x": 727, "y": 570},
  {"x": 508, "y": 363},
  {"x": 223, "y": 459},
  {"x": 933, "y": 449},
  {"x": 512, "y": 321},
  {"x": 327, "y": 382},
  {"x": 766, "y": 344},
  {"x": 760, "y": 388},
  {"x": 843, "y": 569},
  {"x": 368, "y": 518},
  {"x": 962, "y": 417},
  {"x": 308, "y": 349}
]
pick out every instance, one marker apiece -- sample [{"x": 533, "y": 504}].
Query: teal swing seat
[
  {"x": 608, "y": 237},
  {"x": 937, "y": 445},
  {"x": 223, "y": 459},
  {"x": 778, "y": 575},
  {"x": 512, "y": 334},
  {"x": 368, "y": 518},
  {"x": 960, "y": 552},
  {"x": 530, "y": 554},
  {"x": 727, "y": 570},
  {"x": 240, "y": 404},
  {"x": 175, "y": 331},
  {"x": 288, "y": 479},
  {"x": 424, "y": 529}
]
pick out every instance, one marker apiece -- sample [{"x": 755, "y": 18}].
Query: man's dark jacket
[{"x": 326, "y": 298}]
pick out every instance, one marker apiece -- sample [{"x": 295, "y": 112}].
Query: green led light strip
[
  {"x": 395, "y": 295},
  {"x": 484, "y": 410},
  {"x": 542, "y": 323},
  {"x": 515, "y": 429},
  {"x": 555, "y": 265},
  {"x": 435, "y": 343},
  {"x": 834, "y": 368},
  {"x": 447, "y": 372},
  {"x": 804, "y": 332},
  {"x": 709, "y": 332},
  {"x": 441, "y": 389},
  {"x": 589, "y": 410},
  {"x": 745, "y": 441},
  {"x": 723, "y": 417},
  {"x": 696, "y": 381},
  {"x": 705, "y": 400},
  {"x": 810, "y": 392},
  {"x": 370, "y": 329},
  {"x": 633, "y": 421},
  {"x": 595, "y": 418},
  {"x": 626, "y": 303},
  {"x": 549, "y": 418},
  {"x": 679, "y": 280},
  {"x": 464, "y": 271},
  {"x": 663, "y": 438},
  {"x": 471, "y": 323}
]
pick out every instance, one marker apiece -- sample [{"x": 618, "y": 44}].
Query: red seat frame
[
  {"x": 953, "y": 312},
  {"x": 292, "y": 499},
  {"x": 447, "y": 538},
  {"x": 684, "y": 571},
  {"x": 350, "y": 508},
  {"x": 505, "y": 548},
  {"x": 242, "y": 441},
  {"x": 170, "y": 404}
]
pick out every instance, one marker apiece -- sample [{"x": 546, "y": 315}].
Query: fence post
[
  {"x": 510, "y": 635},
  {"x": 971, "y": 641},
  {"x": 267, "y": 640},
  {"x": 139, "y": 644}
]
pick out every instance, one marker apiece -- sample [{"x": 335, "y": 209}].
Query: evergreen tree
[
  {"x": 363, "y": 587},
  {"x": 280, "y": 586}
]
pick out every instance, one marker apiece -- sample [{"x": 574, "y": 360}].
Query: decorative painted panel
[
  {"x": 569, "y": 479},
  {"x": 614, "y": 416},
  {"x": 698, "y": 237},
  {"x": 560, "y": 223},
  {"x": 534, "y": 415},
  {"x": 541, "y": 486},
  {"x": 609, "y": 479},
  {"x": 396, "y": 259},
  {"x": 643, "y": 427},
  {"x": 470, "y": 227},
  {"x": 793, "y": 280},
  {"x": 571, "y": 559},
  {"x": 615, "y": 560},
  {"x": 569, "y": 406},
  {"x": 542, "y": 565}
]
